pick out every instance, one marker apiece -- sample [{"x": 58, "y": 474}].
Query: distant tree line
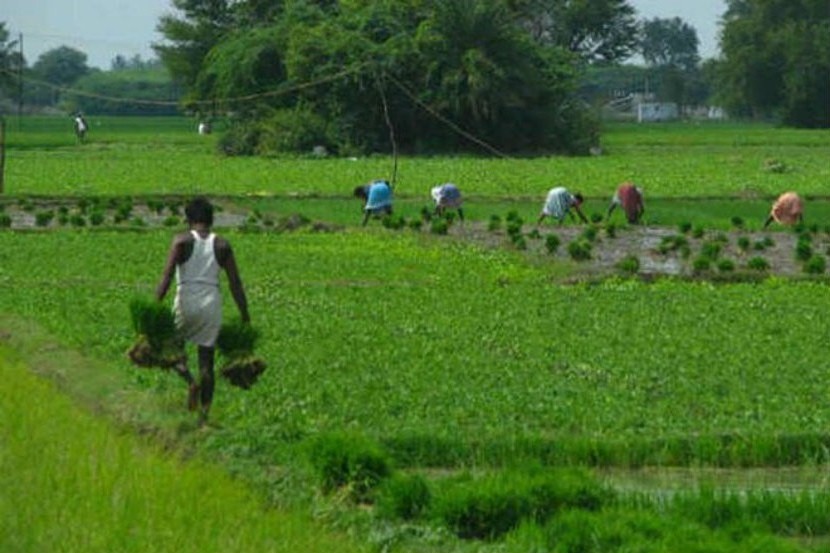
[{"x": 516, "y": 75}]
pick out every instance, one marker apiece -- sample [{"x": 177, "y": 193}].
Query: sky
[{"x": 103, "y": 29}]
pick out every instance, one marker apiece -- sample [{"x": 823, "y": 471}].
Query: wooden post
[{"x": 2, "y": 151}]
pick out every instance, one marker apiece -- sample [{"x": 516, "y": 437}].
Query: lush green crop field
[
  {"x": 165, "y": 155},
  {"x": 453, "y": 358}
]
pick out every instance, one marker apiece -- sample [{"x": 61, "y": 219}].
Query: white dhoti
[{"x": 198, "y": 313}]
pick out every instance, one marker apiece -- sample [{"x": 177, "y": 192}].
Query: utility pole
[
  {"x": 2, "y": 151},
  {"x": 19, "y": 84}
]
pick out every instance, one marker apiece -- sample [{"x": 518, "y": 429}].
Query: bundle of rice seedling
[
  {"x": 156, "y": 344},
  {"x": 236, "y": 345}
]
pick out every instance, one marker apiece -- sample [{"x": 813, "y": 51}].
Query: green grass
[
  {"x": 165, "y": 155},
  {"x": 73, "y": 482}
]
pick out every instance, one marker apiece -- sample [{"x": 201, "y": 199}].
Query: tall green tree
[
  {"x": 11, "y": 61},
  {"x": 776, "y": 60},
  {"x": 61, "y": 66},
  {"x": 669, "y": 43},
  {"x": 598, "y": 30}
]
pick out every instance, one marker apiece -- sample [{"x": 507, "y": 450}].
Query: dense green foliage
[
  {"x": 446, "y": 76},
  {"x": 776, "y": 61}
]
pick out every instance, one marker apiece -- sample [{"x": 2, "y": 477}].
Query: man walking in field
[
  {"x": 377, "y": 196},
  {"x": 197, "y": 257},
  {"x": 630, "y": 197},
  {"x": 559, "y": 203},
  {"x": 788, "y": 209}
]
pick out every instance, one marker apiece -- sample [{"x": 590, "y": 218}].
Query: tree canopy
[
  {"x": 337, "y": 73},
  {"x": 776, "y": 60}
]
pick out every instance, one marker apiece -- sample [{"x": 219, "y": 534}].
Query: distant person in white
[
  {"x": 204, "y": 128},
  {"x": 447, "y": 196},
  {"x": 80, "y": 127},
  {"x": 559, "y": 203}
]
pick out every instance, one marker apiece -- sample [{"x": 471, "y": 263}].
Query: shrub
[
  {"x": 552, "y": 243},
  {"x": 629, "y": 264},
  {"x": 758, "y": 264},
  {"x": 580, "y": 250},
  {"x": 816, "y": 265},
  {"x": 404, "y": 497},
  {"x": 348, "y": 460}
]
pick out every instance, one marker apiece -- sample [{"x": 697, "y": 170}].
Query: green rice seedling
[
  {"x": 711, "y": 249},
  {"x": 580, "y": 249},
  {"x": 803, "y": 249},
  {"x": 758, "y": 263},
  {"x": 514, "y": 228},
  {"x": 426, "y": 214},
  {"x": 596, "y": 218},
  {"x": 519, "y": 241},
  {"x": 154, "y": 206},
  {"x": 77, "y": 220},
  {"x": 174, "y": 207},
  {"x": 449, "y": 216},
  {"x": 63, "y": 219},
  {"x": 744, "y": 243},
  {"x": 44, "y": 218},
  {"x": 534, "y": 234},
  {"x": 394, "y": 222},
  {"x": 348, "y": 460},
  {"x": 491, "y": 506},
  {"x": 63, "y": 210},
  {"x": 552, "y": 243},
  {"x": 772, "y": 165},
  {"x": 138, "y": 222},
  {"x": 83, "y": 204},
  {"x": 236, "y": 343},
  {"x": 768, "y": 242},
  {"x": 156, "y": 344},
  {"x": 629, "y": 264},
  {"x": 816, "y": 265},
  {"x": 96, "y": 218},
  {"x": 171, "y": 221},
  {"x": 672, "y": 243},
  {"x": 439, "y": 226},
  {"x": 701, "y": 264},
  {"x": 698, "y": 232},
  {"x": 738, "y": 222},
  {"x": 5, "y": 220},
  {"x": 416, "y": 224},
  {"x": 685, "y": 227},
  {"x": 590, "y": 233},
  {"x": 494, "y": 223},
  {"x": 611, "y": 230},
  {"x": 403, "y": 496},
  {"x": 726, "y": 265},
  {"x": 27, "y": 205},
  {"x": 513, "y": 216}
]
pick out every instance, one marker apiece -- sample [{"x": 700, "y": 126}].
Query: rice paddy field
[{"x": 435, "y": 393}]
